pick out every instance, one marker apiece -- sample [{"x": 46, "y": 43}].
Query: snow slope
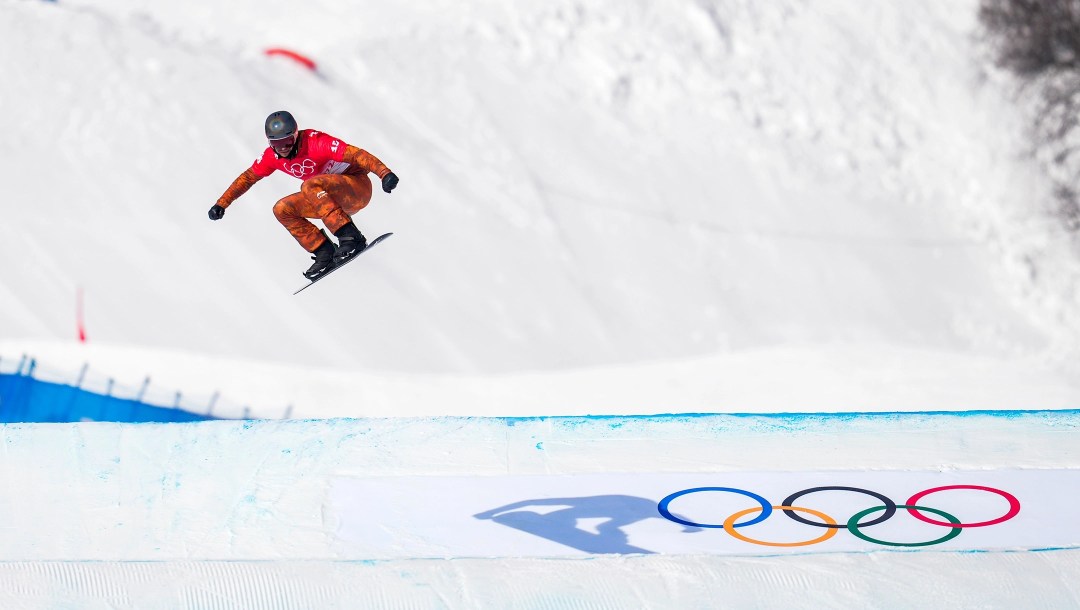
[
  {"x": 582, "y": 184},
  {"x": 867, "y": 378}
]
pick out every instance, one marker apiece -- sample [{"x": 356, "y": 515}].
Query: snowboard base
[{"x": 370, "y": 245}]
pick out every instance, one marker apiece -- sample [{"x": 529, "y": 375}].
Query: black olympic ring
[{"x": 890, "y": 506}]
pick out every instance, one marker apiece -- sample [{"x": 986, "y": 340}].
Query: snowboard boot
[
  {"x": 352, "y": 241},
  {"x": 324, "y": 260}
]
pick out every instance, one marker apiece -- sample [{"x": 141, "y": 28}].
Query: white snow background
[{"x": 620, "y": 208}]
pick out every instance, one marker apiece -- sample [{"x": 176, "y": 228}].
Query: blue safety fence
[{"x": 28, "y": 394}]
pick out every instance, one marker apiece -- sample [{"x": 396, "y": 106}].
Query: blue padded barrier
[{"x": 26, "y": 399}]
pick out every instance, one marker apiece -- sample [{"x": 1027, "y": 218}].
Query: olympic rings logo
[
  {"x": 301, "y": 169},
  {"x": 854, "y": 524}
]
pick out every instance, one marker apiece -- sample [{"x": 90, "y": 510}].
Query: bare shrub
[
  {"x": 1039, "y": 41},
  {"x": 1034, "y": 36}
]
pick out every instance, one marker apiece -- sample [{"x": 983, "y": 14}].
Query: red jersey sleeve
[
  {"x": 264, "y": 165},
  {"x": 325, "y": 146}
]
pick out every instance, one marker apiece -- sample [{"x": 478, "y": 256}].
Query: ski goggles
[{"x": 284, "y": 144}]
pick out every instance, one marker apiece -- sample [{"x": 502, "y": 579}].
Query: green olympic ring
[{"x": 853, "y": 526}]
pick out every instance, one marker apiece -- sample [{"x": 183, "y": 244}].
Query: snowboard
[{"x": 370, "y": 245}]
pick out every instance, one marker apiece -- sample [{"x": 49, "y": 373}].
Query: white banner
[{"x": 729, "y": 513}]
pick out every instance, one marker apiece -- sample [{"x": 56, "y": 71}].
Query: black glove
[
  {"x": 216, "y": 212},
  {"x": 389, "y": 181}
]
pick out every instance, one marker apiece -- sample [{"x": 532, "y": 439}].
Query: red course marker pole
[{"x": 80, "y": 322}]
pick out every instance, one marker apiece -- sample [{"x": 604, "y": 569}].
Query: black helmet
[
  {"x": 279, "y": 125},
  {"x": 282, "y": 133}
]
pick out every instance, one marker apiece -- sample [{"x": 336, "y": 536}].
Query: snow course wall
[{"x": 241, "y": 514}]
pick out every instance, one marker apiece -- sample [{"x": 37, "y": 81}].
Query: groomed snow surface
[
  {"x": 536, "y": 512},
  {"x": 608, "y": 210}
]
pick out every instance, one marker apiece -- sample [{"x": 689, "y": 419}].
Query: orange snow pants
[{"x": 331, "y": 198}]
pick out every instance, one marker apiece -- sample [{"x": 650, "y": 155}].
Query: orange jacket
[{"x": 356, "y": 161}]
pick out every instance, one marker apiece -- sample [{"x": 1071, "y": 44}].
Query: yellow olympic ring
[{"x": 729, "y": 526}]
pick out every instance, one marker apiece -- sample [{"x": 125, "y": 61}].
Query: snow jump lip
[{"x": 461, "y": 487}]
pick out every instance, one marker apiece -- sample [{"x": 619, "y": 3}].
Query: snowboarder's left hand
[
  {"x": 216, "y": 212},
  {"x": 389, "y": 181}
]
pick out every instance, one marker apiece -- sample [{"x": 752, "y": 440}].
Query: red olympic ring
[{"x": 1014, "y": 506}]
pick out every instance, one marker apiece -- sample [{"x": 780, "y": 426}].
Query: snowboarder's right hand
[
  {"x": 216, "y": 212},
  {"x": 389, "y": 181}
]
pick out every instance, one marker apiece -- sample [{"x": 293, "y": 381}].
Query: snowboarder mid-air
[{"x": 335, "y": 186}]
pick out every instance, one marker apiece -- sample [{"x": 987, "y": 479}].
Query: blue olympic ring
[{"x": 766, "y": 506}]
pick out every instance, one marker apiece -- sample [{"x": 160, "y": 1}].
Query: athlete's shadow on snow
[{"x": 561, "y": 525}]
